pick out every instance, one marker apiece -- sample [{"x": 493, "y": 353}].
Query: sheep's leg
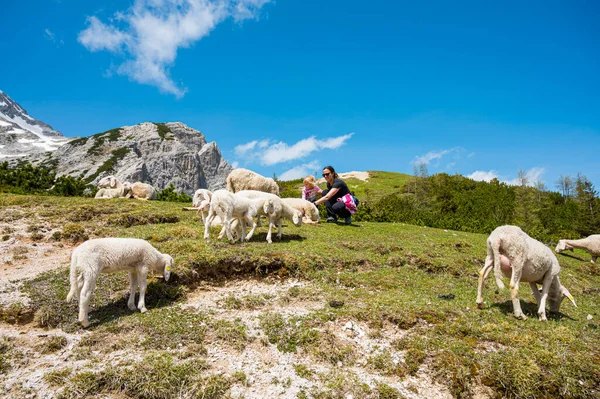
[
  {"x": 536, "y": 292},
  {"x": 141, "y": 277},
  {"x": 227, "y": 225},
  {"x": 209, "y": 221},
  {"x": 483, "y": 273},
  {"x": 84, "y": 301},
  {"x": 279, "y": 228},
  {"x": 545, "y": 289},
  {"x": 514, "y": 289},
  {"x": 242, "y": 222},
  {"x": 594, "y": 259},
  {"x": 270, "y": 229},
  {"x": 251, "y": 232},
  {"x": 132, "y": 287}
]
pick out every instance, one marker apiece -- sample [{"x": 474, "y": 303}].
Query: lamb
[
  {"x": 306, "y": 208},
  {"x": 244, "y": 179},
  {"x": 111, "y": 187},
  {"x": 201, "y": 200},
  {"x": 591, "y": 244},
  {"x": 229, "y": 206},
  {"x": 282, "y": 210},
  {"x": 511, "y": 252},
  {"x": 108, "y": 255},
  {"x": 142, "y": 191}
]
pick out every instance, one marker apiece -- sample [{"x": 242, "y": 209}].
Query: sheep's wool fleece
[
  {"x": 112, "y": 254},
  {"x": 516, "y": 243}
]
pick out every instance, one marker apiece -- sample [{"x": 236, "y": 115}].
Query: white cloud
[
  {"x": 300, "y": 171},
  {"x": 533, "y": 175},
  {"x": 282, "y": 152},
  {"x": 433, "y": 155},
  {"x": 235, "y": 165},
  {"x": 149, "y": 34},
  {"x": 48, "y": 34},
  {"x": 242, "y": 149},
  {"x": 480, "y": 175}
]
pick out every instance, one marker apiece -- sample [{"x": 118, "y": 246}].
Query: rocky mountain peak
[{"x": 21, "y": 134}]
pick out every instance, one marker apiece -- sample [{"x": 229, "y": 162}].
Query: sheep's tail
[
  {"x": 73, "y": 279},
  {"x": 494, "y": 251}
]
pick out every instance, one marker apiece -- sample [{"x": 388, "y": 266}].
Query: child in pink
[{"x": 310, "y": 190}]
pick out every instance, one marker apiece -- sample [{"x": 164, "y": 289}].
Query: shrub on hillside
[{"x": 169, "y": 194}]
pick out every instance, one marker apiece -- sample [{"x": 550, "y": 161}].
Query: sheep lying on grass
[
  {"x": 139, "y": 190},
  {"x": 307, "y": 208},
  {"x": 229, "y": 206},
  {"x": 244, "y": 179},
  {"x": 108, "y": 255},
  {"x": 514, "y": 254},
  {"x": 111, "y": 187},
  {"x": 591, "y": 244}
]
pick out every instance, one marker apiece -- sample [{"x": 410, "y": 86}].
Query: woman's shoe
[
  {"x": 331, "y": 219},
  {"x": 348, "y": 220}
]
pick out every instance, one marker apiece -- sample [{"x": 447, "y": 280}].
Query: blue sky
[{"x": 478, "y": 88}]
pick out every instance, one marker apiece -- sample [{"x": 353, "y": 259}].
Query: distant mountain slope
[
  {"x": 22, "y": 135},
  {"x": 157, "y": 153}
]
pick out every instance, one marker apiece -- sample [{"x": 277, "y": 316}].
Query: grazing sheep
[
  {"x": 244, "y": 179},
  {"x": 591, "y": 244},
  {"x": 142, "y": 191},
  {"x": 282, "y": 210},
  {"x": 229, "y": 206},
  {"x": 514, "y": 254},
  {"x": 108, "y": 255},
  {"x": 307, "y": 208},
  {"x": 198, "y": 201}
]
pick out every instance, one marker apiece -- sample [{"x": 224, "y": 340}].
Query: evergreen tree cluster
[{"x": 25, "y": 178}]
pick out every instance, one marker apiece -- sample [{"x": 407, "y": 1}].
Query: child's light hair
[{"x": 310, "y": 180}]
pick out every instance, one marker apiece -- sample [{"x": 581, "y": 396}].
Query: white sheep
[
  {"x": 201, "y": 200},
  {"x": 142, "y": 191},
  {"x": 591, "y": 244},
  {"x": 512, "y": 253},
  {"x": 228, "y": 207},
  {"x": 108, "y": 255},
  {"x": 308, "y": 210},
  {"x": 282, "y": 210},
  {"x": 244, "y": 179},
  {"x": 111, "y": 187}
]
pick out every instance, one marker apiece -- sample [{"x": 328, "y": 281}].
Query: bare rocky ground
[{"x": 270, "y": 372}]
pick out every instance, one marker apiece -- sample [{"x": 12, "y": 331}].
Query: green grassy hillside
[{"x": 389, "y": 276}]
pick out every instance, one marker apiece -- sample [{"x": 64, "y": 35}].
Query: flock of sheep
[{"x": 510, "y": 251}]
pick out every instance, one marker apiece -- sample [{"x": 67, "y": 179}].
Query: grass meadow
[{"x": 417, "y": 281}]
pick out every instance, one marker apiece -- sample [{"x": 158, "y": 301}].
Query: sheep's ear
[
  {"x": 168, "y": 265},
  {"x": 566, "y": 293},
  {"x": 113, "y": 181},
  {"x": 296, "y": 219},
  {"x": 266, "y": 207}
]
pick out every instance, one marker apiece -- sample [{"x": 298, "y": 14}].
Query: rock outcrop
[{"x": 160, "y": 154}]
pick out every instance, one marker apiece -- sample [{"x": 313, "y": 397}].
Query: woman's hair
[
  {"x": 330, "y": 168},
  {"x": 310, "y": 180}
]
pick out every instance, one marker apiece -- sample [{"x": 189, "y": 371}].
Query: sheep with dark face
[
  {"x": 512, "y": 253},
  {"x": 108, "y": 255}
]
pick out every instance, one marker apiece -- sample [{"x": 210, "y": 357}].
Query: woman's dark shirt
[{"x": 341, "y": 186}]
